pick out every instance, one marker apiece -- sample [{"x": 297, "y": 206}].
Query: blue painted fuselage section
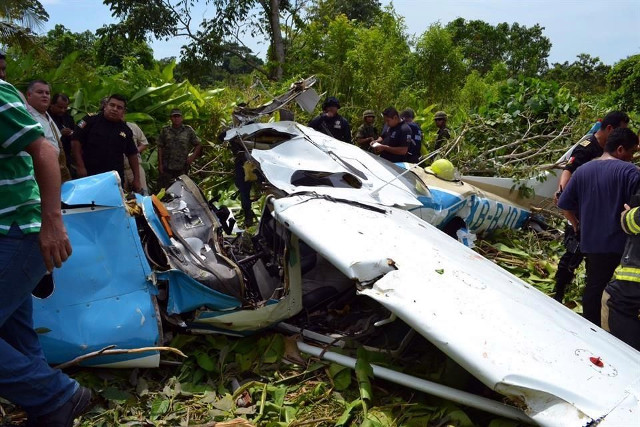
[{"x": 103, "y": 294}]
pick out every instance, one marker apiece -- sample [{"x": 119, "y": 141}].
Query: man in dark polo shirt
[
  {"x": 588, "y": 149},
  {"x": 407, "y": 116},
  {"x": 330, "y": 122},
  {"x": 100, "y": 141},
  {"x": 592, "y": 202},
  {"x": 396, "y": 139}
]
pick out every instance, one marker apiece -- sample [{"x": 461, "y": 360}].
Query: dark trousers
[
  {"x": 244, "y": 189},
  {"x": 621, "y": 314},
  {"x": 568, "y": 263},
  {"x": 25, "y": 377},
  {"x": 600, "y": 268},
  {"x": 168, "y": 177}
]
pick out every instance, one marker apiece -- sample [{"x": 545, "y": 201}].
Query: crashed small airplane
[{"x": 338, "y": 226}]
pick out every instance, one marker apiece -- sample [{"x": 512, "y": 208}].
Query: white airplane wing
[{"x": 516, "y": 340}]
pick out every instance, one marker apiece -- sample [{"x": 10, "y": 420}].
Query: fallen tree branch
[
  {"x": 547, "y": 212},
  {"x": 111, "y": 350}
]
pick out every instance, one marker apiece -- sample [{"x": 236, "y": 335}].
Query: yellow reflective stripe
[
  {"x": 629, "y": 274},
  {"x": 631, "y": 222},
  {"x": 627, "y": 278},
  {"x": 631, "y": 270}
]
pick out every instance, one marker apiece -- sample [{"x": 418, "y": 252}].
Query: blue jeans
[{"x": 25, "y": 377}]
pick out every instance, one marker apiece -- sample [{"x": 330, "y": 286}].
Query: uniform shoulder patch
[{"x": 585, "y": 143}]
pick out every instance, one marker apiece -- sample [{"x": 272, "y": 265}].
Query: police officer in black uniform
[
  {"x": 99, "y": 141},
  {"x": 587, "y": 150},
  {"x": 330, "y": 122},
  {"x": 396, "y": 138},
  {"x": 407, "y": 116}
]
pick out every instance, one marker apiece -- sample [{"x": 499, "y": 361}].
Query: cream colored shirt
[{"x": 51, "y": 131}]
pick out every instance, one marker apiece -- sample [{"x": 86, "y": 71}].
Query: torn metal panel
[
  {"x": 294, "y": 159},
  {"x": 100, "y": 190},
  {"x": 244, "y": 114},
  {"x": 513, "y": 338},
  {"x": 309, "y": 150},
  {"x": 106, "y": 282}
]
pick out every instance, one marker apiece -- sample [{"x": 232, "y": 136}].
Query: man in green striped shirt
[{"x": 33, "y": 240}]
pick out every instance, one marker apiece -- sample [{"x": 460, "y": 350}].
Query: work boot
[{"x": 64, "y": 415}]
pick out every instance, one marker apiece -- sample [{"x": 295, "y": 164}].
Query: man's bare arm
[
  {"x": 76, "y": 149},
  {"x": 572, "y": 218},
  {"x": 197, "y": 152},
  {"x": 54, "y": 242},
  {"x": 135, "y": 168},
  {"x": 160, "y": 167}
]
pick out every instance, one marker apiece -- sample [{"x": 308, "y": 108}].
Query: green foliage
[
  {"x": 364, "y": 11},
  {"x": 17, "y": 20},
  {"x": 438, "y": 66},
  {"x": 482, "y": 44},
  {"x": 624, "y": 80},
  {"x": 215, "y": 35},
  {"x": 587, "y": 75},
  {"x": 524, "y": 50},
  {"x": 60, "y": 42},
  {"x": 475, "y": 92},
  {"x": 111, "y": 48}
]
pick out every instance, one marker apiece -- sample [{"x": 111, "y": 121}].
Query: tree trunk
[{"x": 276, "y": 36}]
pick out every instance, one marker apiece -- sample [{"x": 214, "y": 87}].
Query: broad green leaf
[
  {"x": 340, "y": 375},
  {"x": 348, "y": 413},
  {"x": 159, "y": 407},
  {"x": 275, "y": 350},
  {"x": 149, "y": 90},
  {"x": 172, "y": 101},
  {"x": 224, "y": 404},
  {"x": 138, "y": 117},
  {"x": 205, "y": 362},
  {"x": 167, "y": 71},
  {"x": 63, "y": 67},
  {"x": 504, "y": 248}
]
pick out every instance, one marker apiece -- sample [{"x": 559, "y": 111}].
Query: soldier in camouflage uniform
[
  {"x": 366, "y": 132},
  {"x": 174, "y": 145},
  {"x": 443, "y": 132}
]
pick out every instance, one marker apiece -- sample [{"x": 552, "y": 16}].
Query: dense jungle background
[{"x": 510, "y": 112}]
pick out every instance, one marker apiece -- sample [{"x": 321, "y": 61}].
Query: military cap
[
  {"x": 440, "y": 115},
  {"x": 176, "y": 112},
  {"x": 331, "y": 101},
  {"x": 368, "y": 113}
]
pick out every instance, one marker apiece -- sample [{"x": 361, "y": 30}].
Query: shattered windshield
[{"x": 410, "y": 180}]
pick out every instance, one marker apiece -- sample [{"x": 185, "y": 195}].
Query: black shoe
[{"x": 64, "y": 415}]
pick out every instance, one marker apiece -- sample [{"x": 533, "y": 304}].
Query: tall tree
[
  {"x": 438, "y": 65},
  {"x": 481, "y": 44},
  {"x": 60, "y": 42},
  {"x": 528, "y": 50},
  {"x": 524, "y": 50},
  {"x": 363, "y": 11},
  {"x": 111, "y": 47},
  {"x": 220, "y": 34},
  {"x": 587, "y": 75},
  {"x": 17, "y": 19},
  {"x": 624, "y": 80}
]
